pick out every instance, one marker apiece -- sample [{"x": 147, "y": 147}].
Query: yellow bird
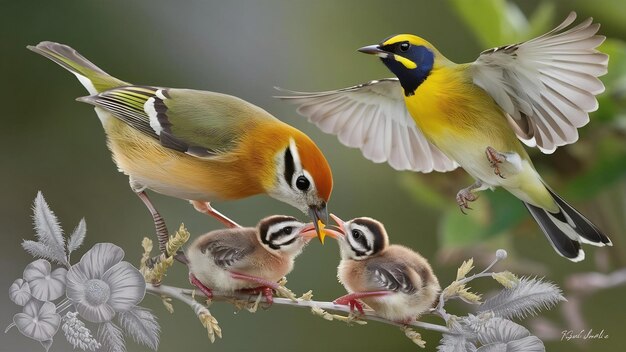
[
  {"x": 438, "y": 115},
  {"x": 200, "y": 145}
]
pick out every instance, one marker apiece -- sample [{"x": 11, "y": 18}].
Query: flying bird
[{"x": 436, "y": 115}]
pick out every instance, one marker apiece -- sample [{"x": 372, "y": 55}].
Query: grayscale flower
[
  {"x": 45, "y": 284},
  {"x": 101, "y": 284},
  {"x": 38, "y": 320},
  {"x": 19, "y": 292}
]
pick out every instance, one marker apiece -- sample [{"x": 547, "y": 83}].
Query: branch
[{"x": 184, "y": 296}]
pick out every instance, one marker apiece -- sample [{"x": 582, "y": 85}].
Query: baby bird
[
  {"x": 395, "y": 281},
  {"x": 248, "y": 259}
]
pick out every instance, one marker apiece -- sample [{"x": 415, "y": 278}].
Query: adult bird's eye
[
  {"x": 303, "y": 183},
  {"x": 287, "y": 230},
  {"x": 356, "y": 234},
  {"x": 404, "y": 47}
]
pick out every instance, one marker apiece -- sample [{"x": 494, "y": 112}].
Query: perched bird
[
  {"x": 437, "y": 115},
  {"x": 396, "y": 282},
  {"x": 199, "y": 145},
  {"x": 236, "y": 259}
]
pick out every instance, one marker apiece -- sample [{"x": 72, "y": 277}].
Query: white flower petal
[
  {"x": 44, "y": 284},
  {"x": 37, "y": 270},
  {"x": 75, "y": 282},
  {"x": 95, "y": 314},
  {"x": 38, "y": 320},
  {"x": 19, "y": 292},
  {"x": 128, "y": 286},
  {"x": 100, "y": 258}
]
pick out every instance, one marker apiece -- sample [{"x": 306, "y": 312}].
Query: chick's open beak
[
  {"x": 374, "y": 50},
  {"x": 309, "y": 231},
  {"x": 319, "y": 215}
]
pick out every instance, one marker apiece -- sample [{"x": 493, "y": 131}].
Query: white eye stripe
[
  {"x": 299, "y": 170},
  {"x": 278, "y": 227},
  {"x": 359, "y": 246}
]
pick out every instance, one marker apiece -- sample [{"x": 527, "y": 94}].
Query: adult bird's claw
[{"x": 495, "y": 159}]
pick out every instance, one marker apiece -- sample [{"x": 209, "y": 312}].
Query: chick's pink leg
[
  {"x": 351, "y": 299},
  {"x": 266, "y": 286},
  {"x": 194, "y": 281},
  {"x": 206, "y": 208}
]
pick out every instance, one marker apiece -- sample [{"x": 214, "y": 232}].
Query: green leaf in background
[
  {"x": 423, "y": 192},
  {"x": 484, "y": 17},
  {"x": 506, "y": 212},
  {"x": 605, "y": 173},
  {"x": 457, "y": 229},
  {"x": 541, "y": 20}
]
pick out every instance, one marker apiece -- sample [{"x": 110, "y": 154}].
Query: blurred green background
[{"x": 51, "y": 143}]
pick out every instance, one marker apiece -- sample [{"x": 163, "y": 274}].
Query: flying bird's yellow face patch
[{"x": 405, "y": 62}]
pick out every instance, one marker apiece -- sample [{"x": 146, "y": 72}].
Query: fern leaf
[
  {"x": 111, "y": 337},
  {"x": 40, "y": 250},
  {"x": 525, "y": 298},
  {"x": 77, "y": 237},
  {"x": 47, "y": 228},
  {"x": 142, "y": 326}
]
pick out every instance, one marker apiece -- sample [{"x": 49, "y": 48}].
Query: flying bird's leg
[
  {"x": 509, "y": 162},
  {"x": 194, "y": 281},
  {"x": 206, "y": 208},
  {"x": 468, "y": 194},
  {"x": 351, "y": 299}
]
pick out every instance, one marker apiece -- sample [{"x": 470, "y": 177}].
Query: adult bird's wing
[
  {"x": 199, "y": 123},
  {"x": 390, "y": 276},
  {"x": 547, "y": 85},
  {"x": 373, "y": 117}
]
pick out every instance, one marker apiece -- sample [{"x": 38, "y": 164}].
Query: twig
[{"x": 184, "y": 295}]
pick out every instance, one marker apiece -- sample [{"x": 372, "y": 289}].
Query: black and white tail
[{"x": 567, "y": 229}]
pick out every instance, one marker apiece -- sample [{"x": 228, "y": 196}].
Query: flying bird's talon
[
  {"x": 464, "y": 196},
  {"x": 495, "y": 158}
]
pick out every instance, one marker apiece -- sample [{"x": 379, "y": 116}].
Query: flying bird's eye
[
  {"x": 303, "y": 183},
  {"x": 404, "y": 46}
]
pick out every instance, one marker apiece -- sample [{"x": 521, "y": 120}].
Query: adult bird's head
[
  {"x": 303, "y": 178},
  {"x": 409, "y": 57}
]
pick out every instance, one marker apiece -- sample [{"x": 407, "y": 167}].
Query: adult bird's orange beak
[{"x": 319, "y": 215}]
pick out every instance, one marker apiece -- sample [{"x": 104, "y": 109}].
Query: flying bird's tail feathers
[{"x": 567, "y": 228}]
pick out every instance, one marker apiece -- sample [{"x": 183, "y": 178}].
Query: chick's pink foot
[
  {"x": 268, "y": 293},
  {"x": 351, "y": 299}
]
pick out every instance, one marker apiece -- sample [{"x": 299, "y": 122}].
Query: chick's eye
[
  {"x": 303, "y": 183},
  {"x": 356, "y": 234},
  {"x": 287, "y": 230},
  {"x": 404, "y": 47}
]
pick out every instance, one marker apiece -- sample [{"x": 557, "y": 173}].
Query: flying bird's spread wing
[
  {"x": 547, "y": 85},
  {"x": 373, "y": 117}
]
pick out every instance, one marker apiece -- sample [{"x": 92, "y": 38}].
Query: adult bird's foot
[
  {"x": 194, "y": 281},
  {"x": 206, "y": 208},
  {"x": 495, "y": 159},
  {"x": 464, "y": 197},
  {"x": 268, "y": 293}
]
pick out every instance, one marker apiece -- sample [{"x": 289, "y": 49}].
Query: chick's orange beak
[{"x": 309, "y": 231}]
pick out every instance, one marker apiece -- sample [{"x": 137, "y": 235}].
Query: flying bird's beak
[
  {"x": 374, "y": 50},
  {"x": 319, "y": 215}
]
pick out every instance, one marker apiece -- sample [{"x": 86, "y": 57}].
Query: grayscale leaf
[
  {"x": 41, "y": 250},
  {"x": 77, "y": 237},
  {"x": 47, "y": 227},
  {"x": 111, "y": 337},
  {"x": 455, "y": 343},
  {"x": 527, "y": 297},
  {"x": 141, "y": 324},
  {"x": 500, "y": 334}
]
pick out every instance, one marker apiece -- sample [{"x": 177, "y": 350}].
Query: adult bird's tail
[
  {"x": 567, "y": 229},
  {"x": 89, "y": 75}
]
